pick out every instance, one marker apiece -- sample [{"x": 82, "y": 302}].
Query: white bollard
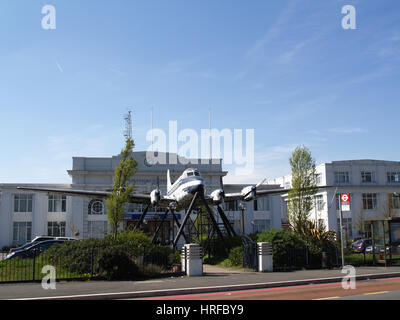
[
  {"x": 265, "y": 258},
  {"x": 183, "y": 259},
  {"x": 192, "y": 262}
]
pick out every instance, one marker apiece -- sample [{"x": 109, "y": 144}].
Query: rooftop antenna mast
[
  {"x": 152, "y": 128},
  {"x": 128, "y": 125},
  {"x": 209, "y": 126}
]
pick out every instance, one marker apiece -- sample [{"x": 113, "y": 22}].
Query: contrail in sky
[{"x": 59, "y": 67}]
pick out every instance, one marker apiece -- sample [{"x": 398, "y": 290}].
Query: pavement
[{"x": 214, "y": 279}]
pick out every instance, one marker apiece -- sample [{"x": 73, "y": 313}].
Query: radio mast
[{"x": 128, "y": 125}]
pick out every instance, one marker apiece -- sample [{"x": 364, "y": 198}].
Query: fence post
[
  {"x": 337, "y": 255},
  {"x": 34, "y": 263},
  {"x": 307, "y": 260},
  {"x": 92, "y": 263},
  {"x": 143, "y": 254}
]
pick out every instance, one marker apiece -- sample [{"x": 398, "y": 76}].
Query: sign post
[{"x": 344, "y": 205}]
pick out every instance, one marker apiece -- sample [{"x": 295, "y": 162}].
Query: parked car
[
  {"x": 360, "y": 245},
  {"x": 34, "y": 249},
  {"x": 39, "y": 239},
  {"x": 378, "y": 249}
]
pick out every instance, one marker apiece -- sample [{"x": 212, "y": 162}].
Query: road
[{"x": 385, "y": 289}]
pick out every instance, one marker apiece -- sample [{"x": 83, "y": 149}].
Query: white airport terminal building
[
  {"x": 374, "y": 188},
  {"x": 26, "y": 214},
  {"x": 373, "y": 185}
]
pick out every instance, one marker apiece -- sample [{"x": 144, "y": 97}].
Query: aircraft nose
[{"x": 199, "y": 187}]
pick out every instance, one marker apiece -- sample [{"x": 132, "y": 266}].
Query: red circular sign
[{"x": 345, "y": 197}]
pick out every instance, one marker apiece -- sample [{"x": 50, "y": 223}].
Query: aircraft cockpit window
[
  {"x": 190, "y": 174},
  {"x": 196, "y": 173}
]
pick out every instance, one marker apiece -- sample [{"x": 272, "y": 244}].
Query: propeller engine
[
  {"x": 218, "y": 196},
  {"x": 155, "y": 197},
  {"x": 249, "y": 193}
]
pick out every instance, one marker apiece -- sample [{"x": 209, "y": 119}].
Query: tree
[
  {"x": 360, "y": 221},
  {"x": 388, "y": 210},
  {"x": 123, "y": 187},
  {"x": 304, "y": 188}
]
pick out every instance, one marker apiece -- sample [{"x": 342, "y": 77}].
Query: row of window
[
  {"x": 56, "y": 203},
  {"x": 260, "y": 204},
  {"x": 22, "y": 231},
  {"x": 24, "y": 203},
  {"x": 370, "y": 201},
  {"x": 366, "y": 177}
]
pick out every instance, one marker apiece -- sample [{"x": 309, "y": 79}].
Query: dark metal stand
[
  {"x": 188, "y": 212},
  {"x": 139, "y": 223},
  {"x": 225, "y": 220},
  {"x": 160, "y": 225},
  {"x": 210, "y": 213}
]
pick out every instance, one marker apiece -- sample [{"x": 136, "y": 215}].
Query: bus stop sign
[{"x": 345, "y": 201}]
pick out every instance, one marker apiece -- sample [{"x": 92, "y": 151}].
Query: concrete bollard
[
  {"x": 265, "y": 258},
  {"x": 192, "y": 262}
]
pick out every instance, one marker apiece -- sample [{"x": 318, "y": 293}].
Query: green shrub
[
  {"x": 111, "y": 258},
  {"x": 116, "y": 264},
  {"x": 236, "y": 256},
  {"x": 219, "y": 250},
  {"x": 287, "y": 247},
  {"x": 226, "y": 263}
]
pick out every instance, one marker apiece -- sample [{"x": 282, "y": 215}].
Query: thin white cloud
[
  {"x": 348, "y": 130},
  {"x": 275, "y": 30},
  {"x": 59, "y": 67}
]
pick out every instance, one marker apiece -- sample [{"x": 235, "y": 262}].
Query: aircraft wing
[
  {"x": 135, "y": 198},
  {"x": 259, "y": 193}
]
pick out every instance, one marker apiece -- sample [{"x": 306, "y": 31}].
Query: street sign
[{"x": 345, "y": 201}]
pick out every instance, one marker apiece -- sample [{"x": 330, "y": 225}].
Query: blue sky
[{"x": 286, "y": 69}]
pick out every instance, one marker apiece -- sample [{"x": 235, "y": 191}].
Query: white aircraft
[
  {"x": 184, "y": 194},
  {"x": 179, "y": 194}
]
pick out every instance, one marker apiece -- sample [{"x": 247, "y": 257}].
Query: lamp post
[{"x": 242, "y": 208}]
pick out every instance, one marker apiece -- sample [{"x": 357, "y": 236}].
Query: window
[
  {"x": 395, "y": 201},
  {"x": 97, "y": 229},
  {"x": 319, "y": 200},
  {"x": 369, "y": 201},
  {"x": 57, "y": 203},
  {"x": 262, "y": 204},
  {"x": 337, "y": 201},
  {"x": 96, "y": 206},
  {"x": 261, "y": 225},
  {"x": 22, "y": 232},
  {"x": 348, "y": 228},
  {"x": 318, "y": 178},
  {"x": 342, "y": 177},
  {"x": 367, "y": 176},
  {"x": 130, "y": 207},
  {"x": 232, "y": 206},
  {"x": 393, "y": 177},
  {"x": 56, "y": 229},
  {"x": 23, "y": 202}
]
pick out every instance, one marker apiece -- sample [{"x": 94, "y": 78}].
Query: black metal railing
[
  {"x": 304, "y": 258},
  {"x": 93, "y": 263}
]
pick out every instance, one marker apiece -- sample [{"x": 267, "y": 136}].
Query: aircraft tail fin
[{"x": 169, "y": 184}]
